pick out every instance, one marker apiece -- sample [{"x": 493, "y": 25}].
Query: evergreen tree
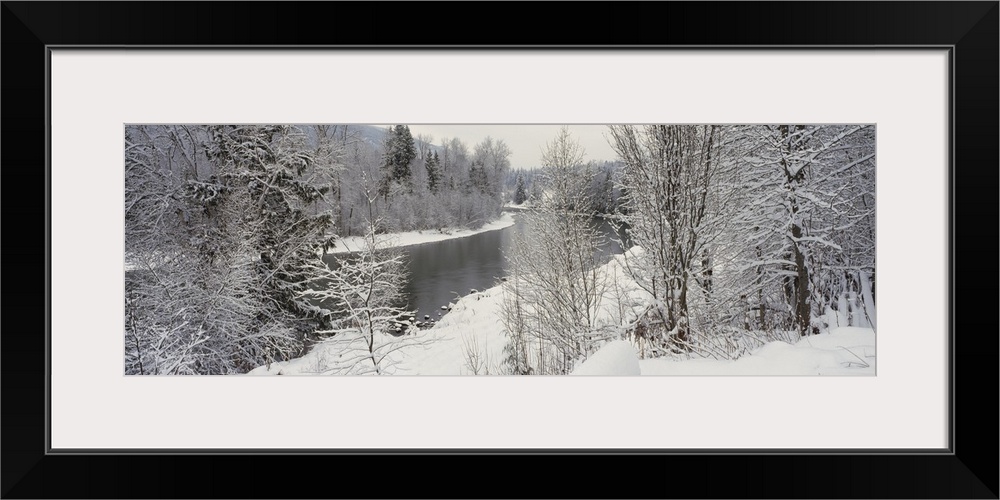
[
  {"x": 269, "y": 162},
  {"x": 520, "y": 193},
  {"x": 478, "y": 179},
  {"x": 400, "y": 152},
  {"x": 433, "y": 166},
  {"x": 225, "y": 256}
]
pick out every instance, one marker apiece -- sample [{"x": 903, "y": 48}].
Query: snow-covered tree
[
  {"x": 400, "y": 151},
  {"x": 433, "y": 166},
  {"x": 603, "y": 193},
  {"x": 493, "y": 156},
  {"x": 520, "y": 193},
  {"x": 221, "y": 249},
  {"x": 365, "y": 292},
  {"x": 270, "y": 163},
  {"x": 188, "y": 309},
  {"x": 554, "y": 296},
  {"x": 669, "y": 172},
  {"x": 425, "y": 146},
  {"x": 807, "y": 226}
]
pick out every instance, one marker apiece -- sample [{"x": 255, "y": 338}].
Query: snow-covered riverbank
[
  {"x": 391, "y": 240},
  {"x": 470, "y": 340},
  {"x": 353, "y": 243},
  {"x": 472, "y": 326}
]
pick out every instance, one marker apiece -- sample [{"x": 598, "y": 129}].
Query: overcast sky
[{"x": 525, "y": 141}]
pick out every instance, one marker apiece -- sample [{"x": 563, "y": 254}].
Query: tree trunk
[
  {"x": 801, "y": 282},
  {"x": 682, "y": 311}
]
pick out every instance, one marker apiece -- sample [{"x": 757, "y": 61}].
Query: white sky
[{"x": 525, "y": 141}]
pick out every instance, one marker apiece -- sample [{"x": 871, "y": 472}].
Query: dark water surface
[{"x": 443, "y": 270}]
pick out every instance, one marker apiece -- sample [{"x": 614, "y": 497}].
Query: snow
[
  {"x": 615, "y": 358},
  {"x": 511, "y": 206},
  {"x": 842, "y": 351},
  {"x": 867, "y": 296},
  {"x": 134, "y": 261},
  {"x": 473, "y": 326},
  {"x": 354, "y": 243}
]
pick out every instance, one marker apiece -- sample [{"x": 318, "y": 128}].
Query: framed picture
[{"x": 923, "y": 74}]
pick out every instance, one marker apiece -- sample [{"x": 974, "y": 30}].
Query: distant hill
[{"x": 371, "y": 134}]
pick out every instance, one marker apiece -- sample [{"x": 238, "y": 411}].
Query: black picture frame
[{"x": 968, "y": 469}]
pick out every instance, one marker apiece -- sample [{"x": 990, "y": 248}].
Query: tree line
[
  {"x": 421, "y": 185},
  {"x": 602, "y": 192}
]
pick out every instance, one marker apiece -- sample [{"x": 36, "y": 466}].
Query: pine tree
[
  {"x": 520, "y": 194},
  {"x": 433, "y": 166},
  {"x": 269, "y": 163},
  {"x": 400, "y": 152},
  {"x": 478, "y": 180},
  {"x": 225, "y": 252}
]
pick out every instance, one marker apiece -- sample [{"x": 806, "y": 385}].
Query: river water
[{"x": 442, "y": 271}]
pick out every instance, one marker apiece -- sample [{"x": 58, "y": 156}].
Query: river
[{"x": 441, "y": 271}]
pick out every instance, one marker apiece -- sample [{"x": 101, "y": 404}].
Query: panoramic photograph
[{"x": 465, "y": 250}]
